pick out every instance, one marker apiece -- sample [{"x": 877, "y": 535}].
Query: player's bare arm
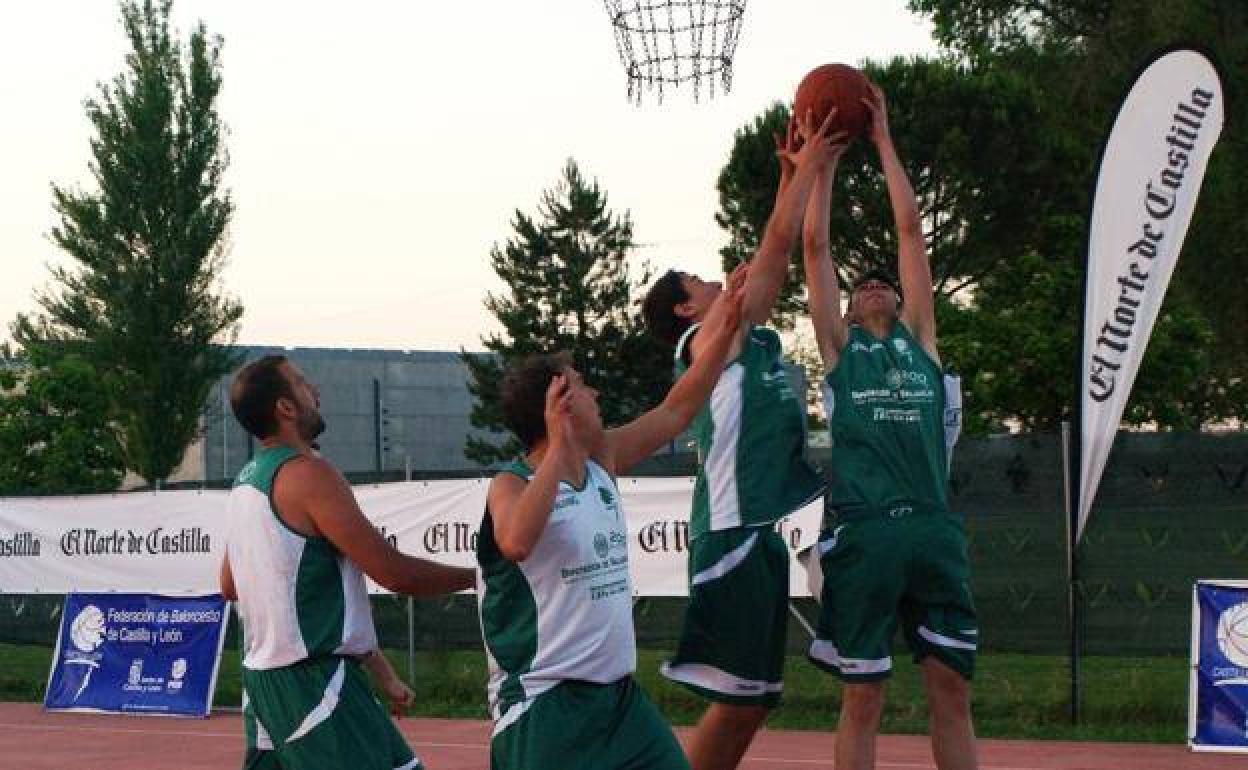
[
  {"x": 521, "y": 509},
  {"x": 770, "y": 265},
  {"x": 315, "y": 493},
  {"x": 822, "y": 286},
  {"x": 913, "y": 269},
  {"x": 629, "y": 444}
]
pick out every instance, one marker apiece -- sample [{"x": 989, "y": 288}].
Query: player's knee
[
  {"x": 948, "y": 692},
  {"x": 863, "y": 703},
  {"x": 739, "y": 717}
]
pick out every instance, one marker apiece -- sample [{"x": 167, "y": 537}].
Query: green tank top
[
  {"x": 751, "y": 438},
  {"x": 885, "y": 402},
  {"x": 298, "y": 596}
]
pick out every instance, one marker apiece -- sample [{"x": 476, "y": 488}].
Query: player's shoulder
[{"x": 308, "y": 473}]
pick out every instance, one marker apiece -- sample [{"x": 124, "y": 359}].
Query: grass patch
[{"x": 1016, "y": 696}]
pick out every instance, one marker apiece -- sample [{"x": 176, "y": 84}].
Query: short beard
[{"x": 310, "y": 426}]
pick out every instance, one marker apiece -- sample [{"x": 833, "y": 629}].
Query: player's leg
[
  {"x": 942, "y": 631},
  {"x": 732, "y": 645},
  {"x": 863, "y": 580}
]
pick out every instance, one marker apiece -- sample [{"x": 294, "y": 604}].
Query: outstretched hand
[
  {"x": 786, "y": 149},
  {"x": 820, "y": 145},
  {"x": 876, "y": 105},
  {"x": 558, "y": 413}
]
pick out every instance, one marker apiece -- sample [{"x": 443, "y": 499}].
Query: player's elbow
[
  {"x": 514, "y": 548},
  {"x": 909, "y": 226}
]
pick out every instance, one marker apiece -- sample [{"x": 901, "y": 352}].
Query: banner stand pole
[
  {"x": 411, "y": 642},
  {"x": 1072, "y": 575}
]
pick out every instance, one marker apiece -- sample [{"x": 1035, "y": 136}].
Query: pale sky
[{"x": 378, "y": 149}]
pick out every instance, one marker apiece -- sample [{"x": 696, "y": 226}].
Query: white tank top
[{"x": 298, "y": 597}]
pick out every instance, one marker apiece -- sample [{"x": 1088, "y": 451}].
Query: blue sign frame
[
  {"x": 1218, "y": 707},
  {"x": 138, "y": 654}
]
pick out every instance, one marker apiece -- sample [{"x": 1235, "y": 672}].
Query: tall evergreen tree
[
  {"x": 569, "y": 289},
  {"x": 141, "y": 302}
]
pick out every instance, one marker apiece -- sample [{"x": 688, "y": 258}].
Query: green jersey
[
  {"x": 751, "y": 438},
  {"x": 886, "y": 405},
  {"x": 298, "y": 596}
]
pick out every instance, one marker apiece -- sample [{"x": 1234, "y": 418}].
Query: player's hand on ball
[{"x": 878, "y": 107}]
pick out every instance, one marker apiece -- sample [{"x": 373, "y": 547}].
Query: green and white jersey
[
  {"x": 751, "y": 437},
  {"x": 887, "y": 413},
  {"x": 565, "y": 612},
  {"x": 298, "y": 597}
]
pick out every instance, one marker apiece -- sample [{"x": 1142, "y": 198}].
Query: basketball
[{"x": 835, "y": 85}]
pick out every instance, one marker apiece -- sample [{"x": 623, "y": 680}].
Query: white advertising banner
[
  {"x": 1150, "y": 176},
  {"x": 172, "y": 542}
]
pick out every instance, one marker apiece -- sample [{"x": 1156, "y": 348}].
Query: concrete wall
[{"x": 412, "y": 406}]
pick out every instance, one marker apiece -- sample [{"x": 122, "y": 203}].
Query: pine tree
[
  {"x": 141, "y": 302},
  {"x": 570, "y": 290}
]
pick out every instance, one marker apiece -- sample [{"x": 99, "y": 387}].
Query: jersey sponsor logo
[
  {"x": 903, "y": 349},
  {"x": 778, "y": 378},
  {"x": 858, "y": 347},
  {"x": 882, "y": 414},
  {"x": 609, "y": 542},
  {"x": 608, "y": 499},
  {"x": 896, "y": 378}
]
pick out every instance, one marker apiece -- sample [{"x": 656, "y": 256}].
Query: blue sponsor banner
[
  {"x": 1218, "y": 717},
  {"x": 137, "y": 654}
]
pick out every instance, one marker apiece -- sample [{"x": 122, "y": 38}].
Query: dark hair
[
  {"x": 254, "y": 394},
  {"x": 522, "y": 395},
  {"x": 658, "y": 308}
]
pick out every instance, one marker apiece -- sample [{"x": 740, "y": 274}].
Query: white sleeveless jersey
[
  {"x": 298, "y": 597},
  {"x": 565, "y": 612}
]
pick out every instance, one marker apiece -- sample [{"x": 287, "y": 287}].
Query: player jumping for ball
[
  {"x": 891, "y": 549},
  {"x": 751, "y": 440}
]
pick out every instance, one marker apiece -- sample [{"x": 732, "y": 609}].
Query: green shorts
[
  {"x": 319, "y": 714},
  {"x": 732, "y": 645},
  {"x": 586, "y": 726},
  {"x": 881, "y": 567}
]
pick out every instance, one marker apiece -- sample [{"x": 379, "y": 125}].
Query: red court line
[{"x": 32, "y": 739}]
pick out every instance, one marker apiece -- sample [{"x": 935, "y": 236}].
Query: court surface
[{"x": 31, "y": 739}]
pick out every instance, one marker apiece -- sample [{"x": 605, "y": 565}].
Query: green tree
[
  {"x": 569, "y": 288},
  {"x": 141, "y": 302},
  {"x": 1015, "y": 348},
  {"x": 55, "y": 437},
  {"x": 1093, "y": 48}
]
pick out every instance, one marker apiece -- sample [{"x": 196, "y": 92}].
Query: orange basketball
[{"x": 835, "y": 85}]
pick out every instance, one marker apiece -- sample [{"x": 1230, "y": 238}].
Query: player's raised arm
[
  {"x": 822, "y": 287},
  {"x": 521, "y": 509},
  {"x": 918, "y": 312},
  {"x": 770, "y": 265},
  {"x": 629, "y": 444}
]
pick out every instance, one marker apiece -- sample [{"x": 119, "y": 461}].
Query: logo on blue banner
[
  {"x": 137, "y": 653},
  {"x": 1220, "y": 672}
]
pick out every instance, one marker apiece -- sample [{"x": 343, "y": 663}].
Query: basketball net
[{"x": 664, "y": 43}]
